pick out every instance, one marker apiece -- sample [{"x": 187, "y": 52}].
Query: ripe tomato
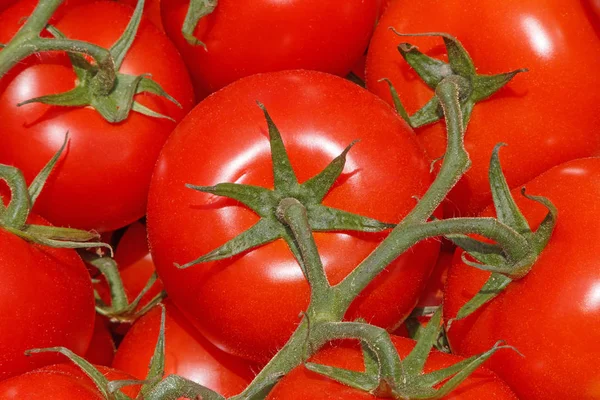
[
  {"x": 245, "y": 38},
  {"x": 187, "y": 354},
  {"x": 249, "y": 305},
  {"x": 546, "y": 314},
  {"x": 91, "y": 189},
  {"x": 545, "y": 115},
  {"x": 60, "y": 382},
  {"x": 46, "y": 300},
  {"x": 301, "y": 383},
  {"x": 102, "y": 346}
]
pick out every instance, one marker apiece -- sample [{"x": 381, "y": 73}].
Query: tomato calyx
[
  {"x": 13, "y": 217},
  {"x": 120, "y": 310},
  {"x": 196, "y": 10},
  {"x": 116, "y": 104},
  {"x": 386, "y": 375},
  {"x": 491, "y": 257},
  {"x": 152, "y": 388},
  {"x": 266, "y": 202},
  {"x": 473, "y": 87}
]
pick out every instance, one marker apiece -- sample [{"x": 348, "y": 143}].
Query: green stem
[
  {"x": 27, "y": 42},
  {"x": 293, "y": 214},
  {"x": 16, "y": 213}
]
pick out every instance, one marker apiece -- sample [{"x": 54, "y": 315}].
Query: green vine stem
[{"x": 27, "y": 41}]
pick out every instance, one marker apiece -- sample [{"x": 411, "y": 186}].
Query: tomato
[
  {"x": 60, "y": 382},
  {"x": 245, "y": 38},
  {"x": 249, "y": 305},
  {"x": 187, "y": 353},
  {"x": 545, "y": 115},
  {"x": 46, "y": 300},
  {"x": 301, "y": 383},
  {"x": 552, "y": 315},
  {"x": 92, "y": 189},
  {"x": 102, "y": 346}
]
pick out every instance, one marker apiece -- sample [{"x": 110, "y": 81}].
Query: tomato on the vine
[
  {"x": 552, "y": 315},
  {"x": 101, "y": 182},
  {"x": 302, "y": 384},
  {"x": 249, "y": 305},
  {"x": 46, "y": 300},
  {"x": 187, "y": 354},
  {"x": 249, "y": 37},
  {"x": 547, "y": 116}
]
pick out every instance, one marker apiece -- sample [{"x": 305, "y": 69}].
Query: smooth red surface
[
  {"x": 302, "y": 384},
  {"x": 101, "y": 181},
  {"x": 187, "y": 353},
  {"x": 547, "y": 116},
  {"x": 102, "y": 346},
  {"x": 248, "y": 37},
  {"x": 60, "y": 382},
  {"x": 552, "y": 316},
  {"x": 249, "y": 305},
  {"x": 46, "y": 300}
]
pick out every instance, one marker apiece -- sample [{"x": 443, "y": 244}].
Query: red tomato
[
  {"x": 187, "y": 353},
  {"x": 545, "y": 115},
  {"x": 92, "y": 188},
  {"x": 60, "y": 382},
  {"x": 46, "y": 300},
  {"x": 301, "y": 383},
  {"x": 102, "y": 347},
  {"x": 552, "y": 316},
  {"x": 249, "y": 305},
  {"x": 245, "y": 38}
]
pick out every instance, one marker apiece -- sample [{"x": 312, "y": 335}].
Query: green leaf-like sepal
[
  {"x": 115, "y": 105},
  {"x": 265, "y": 203},
  {"x": 196, "y": 10},
  {"x": 473, "y": 87}
]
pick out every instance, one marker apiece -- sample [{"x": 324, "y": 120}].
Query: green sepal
[
  {"x": 491, "y": 257},
  {"x": 115, "y": 105},
  {"x": 472, "y": 88},
  {"x": 36, "y": 186},
  {"x": 174, "y": 387},
  {"x": 429, "y": 113},
  {"x": 265, "y": 203},
  {"x": 358, "y": 380},
  {"x": 196, "y": 10},
  {"x": 413, "y": 363},
  {"x": 156, "y": 369}
]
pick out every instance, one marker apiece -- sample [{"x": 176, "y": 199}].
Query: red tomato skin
[
  {"x": 546, "y": 314},
  {"x": 46, "y": 300},
  {"x": 249, "y": 37},
  {"x": 301, "y": 383},
  {"x": 91, "y": 189},
  {"x": 60, "y": 382},
  {"x": 102, "y": 346},
  {"x": 187, "y": 353},
  {"x": 250, "y": 305},
  {"x": 546, "y": 115}
]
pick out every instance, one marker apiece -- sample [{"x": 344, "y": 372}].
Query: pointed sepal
[{"x": 196, "y": 10}]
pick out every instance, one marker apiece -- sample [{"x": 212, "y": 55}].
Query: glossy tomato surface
[
  {"x": 187, "y": 353},
  {"x": 249, "y": 305},
  {"x": 552, "y": 316},
  {"x": 101, "y": 181},
  {"x": 60, "y": 382},
  {"x": 302, "y": 384},
  {"x": 249, "y": 37},
  {"x": 102, "y": 346},
  {"x": 46, "y": 300},
  {"x": 547, "y": 116}
]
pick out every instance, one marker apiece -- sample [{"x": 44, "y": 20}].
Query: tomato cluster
[{"x": 215, "y": 199}]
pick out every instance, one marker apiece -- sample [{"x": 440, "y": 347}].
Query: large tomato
[
  {"x": 46, "y": 300},
  {"x": 187, "y": 354},
  {"x": 60, "y": 382},
  {"x": 552, "y": 315},
  {"x": 249, "y": 37},
  {"x": 302, "y": 384},
  {"x": 546, "y": 116},
  {"x": 101, "y": 182},
  {"x": 249, "y": 305}
]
